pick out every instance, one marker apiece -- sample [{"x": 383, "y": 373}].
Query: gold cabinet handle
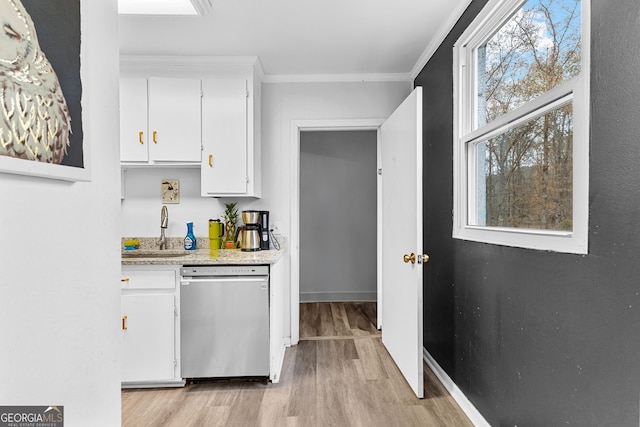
[
  {"x": 125, "y": 280},
  {"x": 210, "y": 160},
  {"x": 155, "y": 133},
  {"x": 140, "y": 137},
  {"x": 425, "y": 258},
  {"x": 409, "y": 258},
  {"x": 124, "y": 323}
]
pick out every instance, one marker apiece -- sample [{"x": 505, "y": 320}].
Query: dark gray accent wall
[
  {"x": 537, "y": 338},
  {"x": 338, "y": 193}
]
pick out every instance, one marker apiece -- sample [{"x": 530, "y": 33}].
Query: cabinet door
[
  {"x": 148, "y": 337},
  {"x": 174, "y": 120},
  {"x": 133, "y": 120},
  {"x": 224, "y": 137}
]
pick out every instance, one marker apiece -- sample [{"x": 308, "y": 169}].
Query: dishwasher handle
[{"x": 191, "y": 280}]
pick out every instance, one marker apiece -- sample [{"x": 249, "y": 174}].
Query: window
[{"x": 521, "y": 133}]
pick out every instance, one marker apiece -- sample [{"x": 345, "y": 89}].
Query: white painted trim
[
  {"x": 379, "y": 230},
  {"x": 441, "y": 34},
  {"x": 296, "y": 127},
  {"x": 337, "y": 78},
  {"x": 275, "y": 374},
  {"x": 467, "y": 407},
  {"x": 575, "y": 90}
]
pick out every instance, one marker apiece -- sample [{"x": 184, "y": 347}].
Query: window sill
[{"x": 544, "y": 240}]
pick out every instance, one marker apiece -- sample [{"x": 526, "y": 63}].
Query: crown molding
[
  {"x": 195, "y": 63},
  {"x": 441, "y": 34}
]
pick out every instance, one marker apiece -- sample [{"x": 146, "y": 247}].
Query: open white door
[{"x": 401, "y": 140}]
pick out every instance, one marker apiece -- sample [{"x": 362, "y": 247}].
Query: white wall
[{"x": 59, "y": 252}]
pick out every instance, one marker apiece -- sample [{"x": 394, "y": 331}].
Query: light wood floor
[{"x": 339, "y": 374}]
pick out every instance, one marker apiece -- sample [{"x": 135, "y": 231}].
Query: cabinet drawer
[{"x": 162, "y": 279}]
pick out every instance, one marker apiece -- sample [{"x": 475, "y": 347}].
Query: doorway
[
  {"x": 297, "y": 128},
  {"x": 338, "y": 199}
]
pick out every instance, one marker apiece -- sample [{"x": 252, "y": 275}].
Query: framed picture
[{"x": 41, "y": 91}]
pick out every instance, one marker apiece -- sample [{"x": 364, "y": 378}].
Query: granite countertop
[{"x": 152, "y": 256}]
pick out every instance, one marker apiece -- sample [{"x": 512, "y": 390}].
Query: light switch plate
[{"x": 170, "y": 191}]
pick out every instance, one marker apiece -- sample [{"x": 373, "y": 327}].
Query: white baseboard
[
  {"x": 338, "y": 296},
  {"x": 467, "y": 407}
]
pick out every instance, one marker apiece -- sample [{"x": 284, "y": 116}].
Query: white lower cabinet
[{"x": 150, "y": 328}]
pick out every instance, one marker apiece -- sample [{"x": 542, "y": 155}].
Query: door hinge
[
  {"x": 380, "y": 171},
  {"x": 247, "y": 179},
  {"x": 247, "y": 94},
  {"x": 175, "y": 362},
  {"x": 175, "y": 311}
]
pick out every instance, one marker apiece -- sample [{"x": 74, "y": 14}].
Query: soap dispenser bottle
[{"x": 190, "y": 239}]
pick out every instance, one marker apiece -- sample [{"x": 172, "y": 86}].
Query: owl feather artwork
[{"x": 34, "y": 119}]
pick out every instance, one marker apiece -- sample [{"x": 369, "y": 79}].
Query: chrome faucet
[{"x": 164, "y": 222}]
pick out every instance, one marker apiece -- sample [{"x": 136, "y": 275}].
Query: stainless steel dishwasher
[{"x": 224, "y": 324}]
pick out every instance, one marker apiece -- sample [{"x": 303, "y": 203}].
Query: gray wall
[
  {"x": 338, "y": 216},
  {"x": 537, "y": 338}
]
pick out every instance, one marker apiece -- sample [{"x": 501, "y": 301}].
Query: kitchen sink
[{"x": 153, "y": 254}]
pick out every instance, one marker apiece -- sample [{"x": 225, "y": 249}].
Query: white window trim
[{"x": 576, "y": 90}]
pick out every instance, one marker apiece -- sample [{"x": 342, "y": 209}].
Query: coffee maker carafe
[{"x": 249, "y": 233}]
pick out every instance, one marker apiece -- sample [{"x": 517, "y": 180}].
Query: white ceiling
[{"x": 303, "y": 37}]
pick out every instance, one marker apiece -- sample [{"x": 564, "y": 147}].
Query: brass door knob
[
  {"x": 409, "y": 258},
  {"x": 424, "y": 258}
]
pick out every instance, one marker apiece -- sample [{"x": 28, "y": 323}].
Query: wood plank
[
  {"x": 331, "y": 388},
  {"x": 359, "y": 323},
  {"x": 340, "y": 319},
  {"x": 372, "y": 365},
  {"x": 309, "y": 320},
  {"x": 325, "y": 328},
  {"x": 246, "y": 408},
  {"x": 275, "y": 404},
  {"x": 303, "y": 390}
]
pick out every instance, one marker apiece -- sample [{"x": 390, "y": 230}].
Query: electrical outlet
[
  {"x": 276, "y": 226},
  {"x": 170, "y": 191}
]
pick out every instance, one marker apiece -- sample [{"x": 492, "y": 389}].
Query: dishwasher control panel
[{"x": 224, "y": 270}]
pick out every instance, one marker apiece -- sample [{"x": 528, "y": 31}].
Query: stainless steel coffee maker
[{"x": 249, "y": 234}]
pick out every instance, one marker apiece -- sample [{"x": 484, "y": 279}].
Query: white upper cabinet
[
  {"x": 231, "y": 145},
  {"x": 134, "y": 139},
  {"x": 160, "y": 120},
  {"x": 224, "y": 137},
  {"x": 196, "y": 111},
  {"x": 175, "y": 119}
]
